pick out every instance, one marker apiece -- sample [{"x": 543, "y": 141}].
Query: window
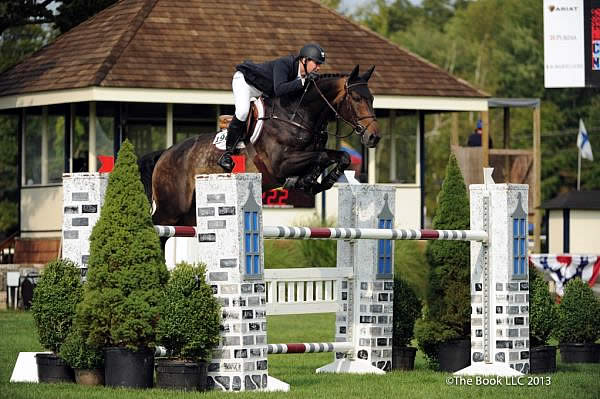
[
  {"x": 44, "y": 145},
  {"x": 147, "y": 127},
  {"x": 385, "y": 247},
  {"x": 252, "y": 237},
  {"x": 519, "y": 222},
  {"x": 397, "y": 151},
  {"x": 104, "y": 134},
  {"x": 190, "y": 120}
]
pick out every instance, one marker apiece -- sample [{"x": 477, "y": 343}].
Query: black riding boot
[{"x": 234, "y": 134}]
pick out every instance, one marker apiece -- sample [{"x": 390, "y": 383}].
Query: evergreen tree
[
  {"x": 127, "y": 272},
  {"x": 448, "y": 314}
]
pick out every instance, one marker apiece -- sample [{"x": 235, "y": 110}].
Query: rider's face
[{"x": 311, "y": 66}]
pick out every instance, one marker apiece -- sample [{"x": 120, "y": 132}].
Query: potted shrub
[
  {"x": 188, "y": 328},
  {"x": 54, "y": 302},
  {"x": 407, "y": 308},
  {"x": 444, "y": 332},
  {"x": 578, "y": 325},
  {"x": 126, "y": 279},
  {"x": 542, "y": 319},
  {"x": 86, "y": 361}
]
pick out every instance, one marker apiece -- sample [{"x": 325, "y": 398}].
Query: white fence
[{"x": 304, "y": 290}]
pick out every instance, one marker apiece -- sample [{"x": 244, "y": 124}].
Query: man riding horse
[{"x": 276, "y": 78}]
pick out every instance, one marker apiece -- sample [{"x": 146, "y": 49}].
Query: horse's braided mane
[{"x": 332, "y": 75}]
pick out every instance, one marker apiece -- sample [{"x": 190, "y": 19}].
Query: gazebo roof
[{"x": 195, "y": 44}]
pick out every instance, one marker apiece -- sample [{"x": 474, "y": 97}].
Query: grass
[{"x": 571, "y": 381}]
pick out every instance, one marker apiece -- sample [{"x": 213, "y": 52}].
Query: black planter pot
[
  {"x": 454, "y": 355},
  {"x": 178, "y": 374},
  {"x": 52, "y": 368},
  {"x": 578, "y": 353},
  {"x": 403, "y": 358},
  {"x": 126, "y": 368},
  {"x": 542, "y": 359}
]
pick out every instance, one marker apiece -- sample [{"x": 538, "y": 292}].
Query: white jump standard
[{"x": 230, "y": 234}]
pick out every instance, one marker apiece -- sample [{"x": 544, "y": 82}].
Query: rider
[{"x": 285, "y": 75}]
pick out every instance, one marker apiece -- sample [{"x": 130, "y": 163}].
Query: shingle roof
[
  {"x": 195, "y": 44},
  {"x": 574, "y": 200}
]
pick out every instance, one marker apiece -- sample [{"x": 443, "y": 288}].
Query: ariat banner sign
[{"x": 564, "y": 44}]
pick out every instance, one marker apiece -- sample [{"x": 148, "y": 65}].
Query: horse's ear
[
  {"x": 353, "y": 74},
  {"x": 367, "y": 75}
]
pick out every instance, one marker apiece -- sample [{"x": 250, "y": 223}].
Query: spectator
[{"x": 475, "y": 137}]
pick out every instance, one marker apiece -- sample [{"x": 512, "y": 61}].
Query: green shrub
[
  {"x": 578, "y": 314},
  {"x": 127, "y": 271},
  {"x": 407, "y": 308},
  {"x": 190, "y": 315},
  {"x": 542, "y": 309},
  {"x": 448, "y": 313},
  {"x": 78, "y": 354},
  {"x": 54, "y": 302}
]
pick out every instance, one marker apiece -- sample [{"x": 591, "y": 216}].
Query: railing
[
  {"x": 7, "y": 249},
  {"x": 304, "y": 290}
]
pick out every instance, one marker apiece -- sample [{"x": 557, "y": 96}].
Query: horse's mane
[{"x": 332, "y": 75}]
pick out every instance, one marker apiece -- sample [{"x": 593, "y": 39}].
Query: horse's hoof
[{"x": 290, "y": 182}]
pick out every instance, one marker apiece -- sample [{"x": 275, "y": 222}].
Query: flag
[
  {"x": 355, "y": 156},
  {"x": 562, "y": 268},
  {"x": 583, "y": 142}
]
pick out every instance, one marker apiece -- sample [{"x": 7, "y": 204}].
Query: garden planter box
[
  {"x": 52, "y": 368},
  {"x": 403, "y": 358},
  {"x": 579, "y": 353},
  {"x": 126, "y": 368},
  {"x": 542, "y": 359},
  {"x": 454, "y": 355},
  {"x": 178, "y": 374}
]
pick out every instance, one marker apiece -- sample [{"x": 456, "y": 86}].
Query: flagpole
[{"x": 578, "y": 167}]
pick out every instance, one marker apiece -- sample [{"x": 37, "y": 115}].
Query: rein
[{"x": 356, "y": 125}]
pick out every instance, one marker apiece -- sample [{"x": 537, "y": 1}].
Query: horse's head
[{"x": 356, "y": 106}]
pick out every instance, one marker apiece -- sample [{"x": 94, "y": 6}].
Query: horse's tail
[{"x": 146, "y": 164}]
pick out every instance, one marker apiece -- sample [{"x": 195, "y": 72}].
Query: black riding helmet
[{"x": 314, "y": 52}]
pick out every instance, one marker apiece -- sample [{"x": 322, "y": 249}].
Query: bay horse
[{"x": 290, "y": 151}]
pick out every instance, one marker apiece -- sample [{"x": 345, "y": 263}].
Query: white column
[
  {"x": 92, "y": 158},
  {"x": 170, "y": 137},
  {"x": 44, "y": 160}
]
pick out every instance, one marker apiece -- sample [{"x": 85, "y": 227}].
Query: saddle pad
[{"x": 221, "y": 136}]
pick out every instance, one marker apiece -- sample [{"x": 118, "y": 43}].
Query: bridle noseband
[{"x": 356, "y": 125}]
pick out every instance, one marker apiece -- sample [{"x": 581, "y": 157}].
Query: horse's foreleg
[{"x": 342, "y": 161}]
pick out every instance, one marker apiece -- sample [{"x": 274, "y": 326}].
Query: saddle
[{"x": 253, "y": 125}]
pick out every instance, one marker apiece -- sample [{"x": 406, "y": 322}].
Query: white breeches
[{"x": 242, "y": 92}]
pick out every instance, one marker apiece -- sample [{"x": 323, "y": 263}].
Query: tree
[
  {"x": 127, "y": 272},
  {"x": 334, "y": 4},
  {"x": 73, "y": 12},
  {"x": 448, "y": 314},
  {"x": 14, "y": 13},
  {"x": 17, "y": 13}
]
